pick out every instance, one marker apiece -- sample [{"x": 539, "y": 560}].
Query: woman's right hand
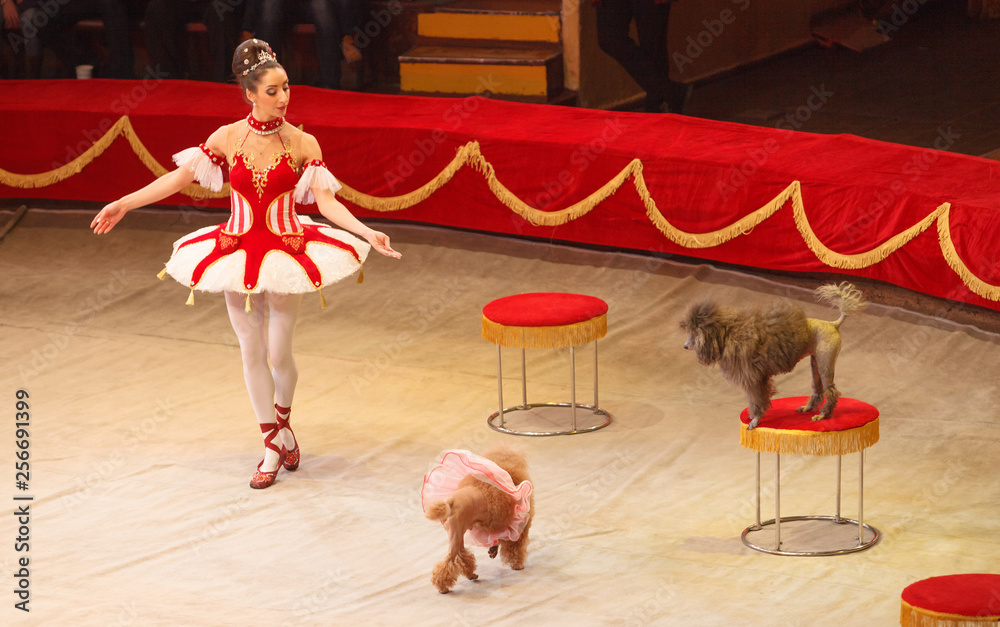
[{"x": 108, "y": 217}]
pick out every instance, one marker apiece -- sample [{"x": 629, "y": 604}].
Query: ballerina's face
[{"x": 271, "y": 97}]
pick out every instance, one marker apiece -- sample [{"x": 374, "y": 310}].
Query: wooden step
[
  {"x": 462, "y": 42},
  {"x": 523, "y": 72},
  {"x": 496, "y": 20}
]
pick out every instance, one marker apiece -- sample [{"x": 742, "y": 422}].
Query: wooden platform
[{"x": 504, "y": 49}]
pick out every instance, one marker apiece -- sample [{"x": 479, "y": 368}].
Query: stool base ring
[
  {"x": 876, "y": 536},
  {"x": 594, "y": 410}
]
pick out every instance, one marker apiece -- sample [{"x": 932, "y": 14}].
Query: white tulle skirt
[{"x": 279, "y": 273}]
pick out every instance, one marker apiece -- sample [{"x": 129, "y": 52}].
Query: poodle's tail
[
  {"x": 847, "y": 298},
  {"x": 440, "y": 510}
]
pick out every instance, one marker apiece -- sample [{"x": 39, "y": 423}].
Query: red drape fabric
[{"x": 702, "y": 174}]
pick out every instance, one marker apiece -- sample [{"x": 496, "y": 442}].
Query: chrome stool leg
[
  {"x": 572, "y": 381},
  {"x": 758, "y": 526},
  {"x": 596, "y": 404},
  {"x": 500, "y": 385},
  {"x": 777, "y": 502},
  {"x": 524, "y": 381},
  {"x": 837, "y": 516},
  {"x": 861, "y": 498}
]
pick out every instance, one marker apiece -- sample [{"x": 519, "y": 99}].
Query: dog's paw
[
  {"x": 753, "y": 424},
  {"x": 818, "y": 417},
  {"x": 473, "y": 576},
  {"x": 493, "y": 551}
]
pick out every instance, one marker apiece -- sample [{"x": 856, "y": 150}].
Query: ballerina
[{"x": 266, "y": 256}]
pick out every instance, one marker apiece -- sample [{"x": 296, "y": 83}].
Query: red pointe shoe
[
  {"x": 291, "y": 462},
  {"x": 261, "y": 480}
]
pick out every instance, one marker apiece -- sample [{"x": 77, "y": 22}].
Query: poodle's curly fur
[
  {"x": 751, "y": 346},
  {"x": 478, "y": 504}
]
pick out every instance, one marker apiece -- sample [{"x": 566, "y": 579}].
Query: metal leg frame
[
  {"x": 836, "y": 519},
  {"x": 573, "y": 405}
]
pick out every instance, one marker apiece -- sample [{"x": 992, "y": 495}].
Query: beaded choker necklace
[{"x": 264, "y": 128}]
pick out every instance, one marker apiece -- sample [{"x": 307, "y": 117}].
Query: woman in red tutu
[{"x": 266, "y": 256}]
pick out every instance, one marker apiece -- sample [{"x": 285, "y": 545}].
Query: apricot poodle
[{"x": 486, "y": 500}]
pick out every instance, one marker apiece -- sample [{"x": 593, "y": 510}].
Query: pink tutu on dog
[{"x": 442, "y": 480}]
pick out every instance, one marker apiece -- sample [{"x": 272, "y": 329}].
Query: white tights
[{"x": 261, "y": 339}]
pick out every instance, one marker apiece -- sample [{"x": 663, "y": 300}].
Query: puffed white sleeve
[
  {"x": 315, "y": 175},
  {"x": 206, "y": 165}
]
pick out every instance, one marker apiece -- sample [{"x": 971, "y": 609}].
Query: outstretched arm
[
  {"x": 167, "y": 185},
  {"x": 335, "y": 211}
]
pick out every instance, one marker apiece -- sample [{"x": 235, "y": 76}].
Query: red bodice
[
  {"x": 262, "y": 195},
  {"x": 263, "y": 220}
]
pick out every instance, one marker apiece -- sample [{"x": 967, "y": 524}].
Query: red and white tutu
[
  {"x": 265, "y": 246},
  {"x": 451, "y": 466}
]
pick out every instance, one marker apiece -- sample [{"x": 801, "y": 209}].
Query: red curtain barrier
[{"x": 922, "y": 219}]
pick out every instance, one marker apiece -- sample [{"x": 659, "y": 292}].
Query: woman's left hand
[
  {"x": 380, "y": 242},
  {"x": 11, "y": 18}
]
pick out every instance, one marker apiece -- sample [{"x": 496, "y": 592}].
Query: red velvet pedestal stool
[
  {"x": 546, "y": 320},
  {"x": 971, "y": 600},
  {"x": 852, "y": 428}
]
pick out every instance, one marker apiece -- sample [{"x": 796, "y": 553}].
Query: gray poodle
[{"x": 751, "y": 346}]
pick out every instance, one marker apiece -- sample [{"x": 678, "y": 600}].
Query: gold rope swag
[
  {"x": 123, "y": 127},
  {"x": 471, "y": 155}
]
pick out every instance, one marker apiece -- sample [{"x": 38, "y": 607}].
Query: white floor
[{"x": 142, "y": 443}]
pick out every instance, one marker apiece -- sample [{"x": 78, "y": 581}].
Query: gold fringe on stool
[
  {"x": 576, "y": 334},
  {"x": 796, "y": 442},
  {"x": 911, "y": 616}
]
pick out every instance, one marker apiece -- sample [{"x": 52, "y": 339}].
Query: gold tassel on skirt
[
  {"x": 246, "y": 307},
  {"x": 322, "y": 300},
  {"x": 361, "y": 275},
  {"x": 190, "y": 300},
  {"x": 162, "y": 274}
]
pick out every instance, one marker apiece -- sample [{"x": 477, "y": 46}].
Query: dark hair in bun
[{"x": 252, "y": 58}]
